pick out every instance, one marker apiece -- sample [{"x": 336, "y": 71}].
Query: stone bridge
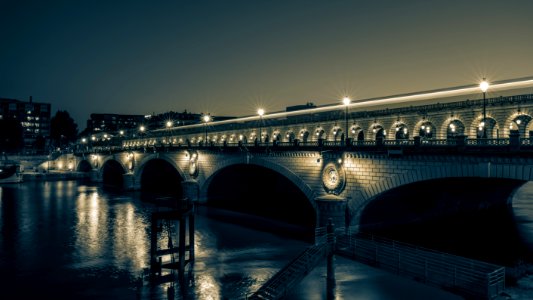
[
  {"x": 305, "y": 155},
  {"x": 335, "y": 182}
]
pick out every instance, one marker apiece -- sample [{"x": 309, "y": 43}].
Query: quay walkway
[{"x": 466, "y": 277}]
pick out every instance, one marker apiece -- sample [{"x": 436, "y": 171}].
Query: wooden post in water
[{"x": 330, "y": 279}]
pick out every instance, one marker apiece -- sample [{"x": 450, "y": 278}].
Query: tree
[
  {"x": 11, "y": 139},
  {"x": 63, "y": 129}
]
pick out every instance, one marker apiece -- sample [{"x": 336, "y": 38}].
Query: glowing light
[
  {"x": 121, "y": 132},
  {"x": 518, "y": 121},
  {"x": 84, "y": 140},
  {"x": 484, "y": 85},
  {"x": 339, "y": 161},
  {"x": 206, "y": 118},
  {"x": 261, "y": 112},
  {"x": 346, "y": 100},
  {"x": 142, "y": 128},
  {"x": 169, "y": 124}
]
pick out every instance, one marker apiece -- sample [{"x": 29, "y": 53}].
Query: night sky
[{"x": 230, "y": 57}]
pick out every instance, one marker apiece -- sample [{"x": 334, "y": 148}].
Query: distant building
[
  {"x": 308, "y": 105},
  {"x": 104, "y": 128},
  {"x": 33, "y": 116},
  {"x": 180, "y": 119},
  {"x": 113, "y": 123}
]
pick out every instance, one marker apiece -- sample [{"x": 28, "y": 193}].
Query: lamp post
[
  {"x": 206, "y": 118},
  {"x": 484, "y": 86},
  {"x": 346, "y": 101},
  {"x": 260, "y": 112},
  {"x": 168, "y": 125}
]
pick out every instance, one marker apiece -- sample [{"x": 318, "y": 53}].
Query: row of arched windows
[{"x": 399, "y": 131}]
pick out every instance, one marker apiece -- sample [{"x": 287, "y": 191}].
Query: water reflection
[{"x": 74, "y": 241}]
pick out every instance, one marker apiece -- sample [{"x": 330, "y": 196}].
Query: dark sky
[{"x": 230, "y": 57}]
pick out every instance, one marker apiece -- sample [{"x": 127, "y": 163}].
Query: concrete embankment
[{"x": 51, "y": 176}]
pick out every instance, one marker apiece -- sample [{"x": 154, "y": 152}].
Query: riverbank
[{"x": 53, "y": 176}]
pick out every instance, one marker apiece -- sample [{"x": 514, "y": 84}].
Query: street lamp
[
  {"x": 141, "y": 130},
  {"x": 346, "y": 101},
  {"x": 168, "y": 125},
  {"x": 206, "y": 118},
  {"x": 484, "y": 86},
  {"x": 260, "y": 112}
]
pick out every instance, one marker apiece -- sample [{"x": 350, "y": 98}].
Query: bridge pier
[
  {"x": 331, "y": 207},
  {"x": 95, "y": 176},
  {"x": 130, "y": 183}
]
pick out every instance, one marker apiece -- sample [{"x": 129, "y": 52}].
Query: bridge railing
[
  {"x": 460, "y": 275},
  {"x": 463, "y": 144},
  {"x": 487, "y": 142}
]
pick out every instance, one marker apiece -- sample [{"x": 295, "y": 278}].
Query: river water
[{"x": 72, "y": 240}]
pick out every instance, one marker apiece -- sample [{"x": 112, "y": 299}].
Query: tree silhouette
[{"x": 63, "y": 129}]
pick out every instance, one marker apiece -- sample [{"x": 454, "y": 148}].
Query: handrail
[{"x": 463, "y": 275}]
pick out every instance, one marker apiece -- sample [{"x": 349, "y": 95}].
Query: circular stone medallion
[{"x": 333, "y": 178}]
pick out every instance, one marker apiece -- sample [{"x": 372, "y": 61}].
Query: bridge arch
[
  {"x": 519, "y": 121},
  {"x": 112, "y": 172},
  {"x": 319, "y": 133},
  {"x": 400, "y": 130},
  {"x": 280, "y": 169},
  {"x": 162, "y": 156},
  {"x": 477, "y": 127},
  {"x": 260, "y": 187},
  {"x": 376, "y": 131},
  {"x": 453, "y": 127},
  {"x": 359, "y": 199},
  {"x": 425, "y": 129},
  {"x": 160, "y": 176},
  {"x": 84, "y": 166}
]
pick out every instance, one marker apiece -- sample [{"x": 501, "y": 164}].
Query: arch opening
[
  {"x": 159, "y": 179},
  {"x": 253, "y": 190},
  {"x": 461, "y": 216},
  {"x": 84, "y": 166},
  {"x": 112, "y": 174}
]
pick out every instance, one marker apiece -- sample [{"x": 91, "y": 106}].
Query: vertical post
[
  {"x": 153, "y": 248},
  {"x": 346, "y": 101},
  {"x": 181, "y": 249},
  {"x": 191, "y": 236},
  {"x": 330, "y": 280},
  {"x": 484, "y": 116}
]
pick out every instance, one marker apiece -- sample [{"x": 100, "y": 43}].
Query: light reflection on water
[{"x": 65, "y": 240}]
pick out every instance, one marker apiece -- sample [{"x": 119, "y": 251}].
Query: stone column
[
  {"x": 130, "y": 182},
  {"x": 95, "y": 176},
  {"x": 191, "y": 189},
  {"x": 331, "y": 207}
]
